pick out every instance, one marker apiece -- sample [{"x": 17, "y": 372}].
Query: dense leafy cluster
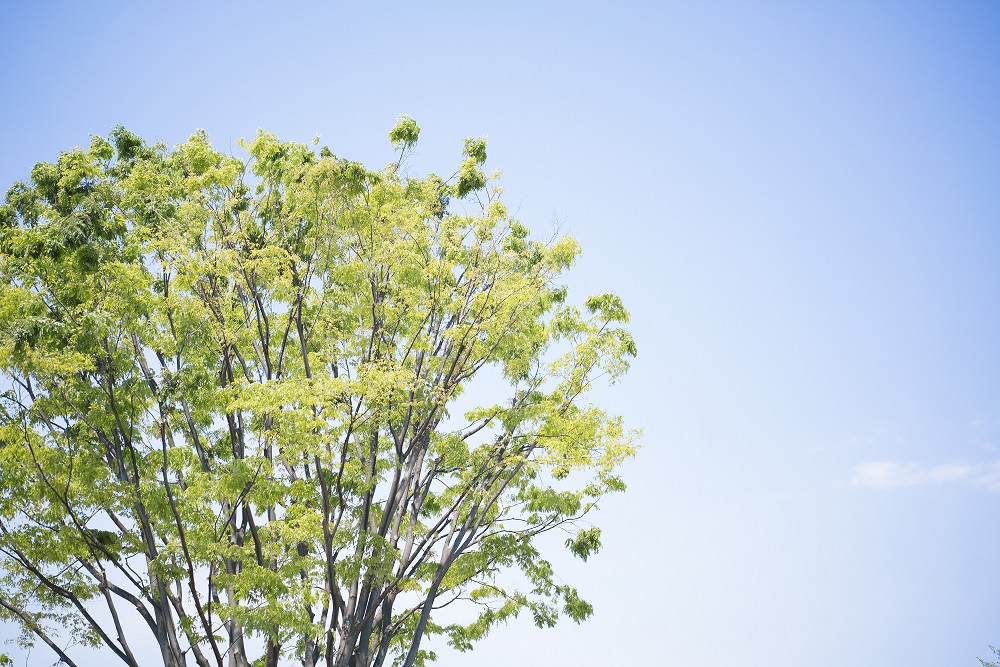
[{"x": 226, "y": 402}]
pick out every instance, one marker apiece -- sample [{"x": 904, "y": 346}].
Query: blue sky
[{"x": 799, "y": 204}]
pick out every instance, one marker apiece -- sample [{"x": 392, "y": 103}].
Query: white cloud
[{"x": 895, "y": 474}]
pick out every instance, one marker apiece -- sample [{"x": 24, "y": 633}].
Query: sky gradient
[{"x": 799, "y": 205}]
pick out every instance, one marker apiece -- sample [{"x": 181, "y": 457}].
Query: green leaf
[
  {"x": 405, "y": 133},
  {"x": 586, "y": 542}
]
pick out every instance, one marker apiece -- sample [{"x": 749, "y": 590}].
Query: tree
[
  {"x": 985, "y": 663},
  {"x": 233, "y": 398}
]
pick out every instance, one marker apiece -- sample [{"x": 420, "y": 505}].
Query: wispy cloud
[{"x": 895, "y": 474}]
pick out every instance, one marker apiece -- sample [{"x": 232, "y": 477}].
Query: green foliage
[
  {"x": 230, "y": 404},
  {"x": 986, "y": 663},
  {"x": 404, "y": 134},
  {"x": 586, "y": 542},
  {"x": 475, "y": 149}
]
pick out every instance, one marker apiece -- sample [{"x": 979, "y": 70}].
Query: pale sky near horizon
[{"x": 799, "y": 203}]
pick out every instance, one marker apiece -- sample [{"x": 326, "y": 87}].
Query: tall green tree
[{"x": 230, "y": 405}]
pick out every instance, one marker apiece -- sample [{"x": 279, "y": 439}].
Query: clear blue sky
[{"x": 800, "y": 203}]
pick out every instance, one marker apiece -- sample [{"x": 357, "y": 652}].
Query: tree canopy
[{"x": 281, "y": 408}]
